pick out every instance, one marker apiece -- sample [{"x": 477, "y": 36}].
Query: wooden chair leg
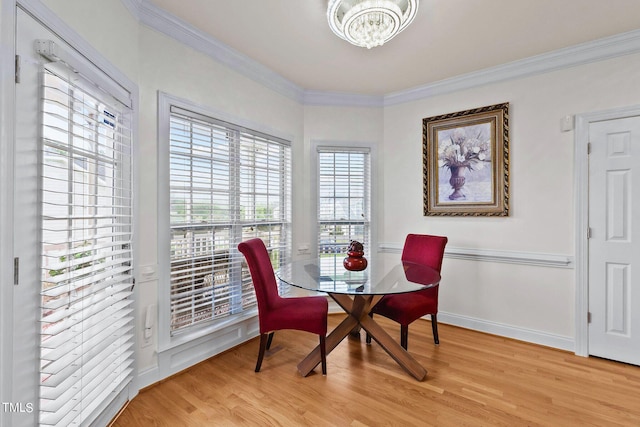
[
  {"x": 368, "y": 338},
  {"x": 434, "y": 327},
  {"x": 323, "y": 354},
  {"x": 269, "y": 341},
  {"x": 404, "y": 335},
  {"x": 263, "y": 346}
]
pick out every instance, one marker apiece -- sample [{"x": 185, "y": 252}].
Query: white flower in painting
[
  {"x": 467, "y": 146},
  {"x": 458, "y": 135}
]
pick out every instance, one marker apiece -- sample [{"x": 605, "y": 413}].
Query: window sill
[{"x": 196, "y": 333}]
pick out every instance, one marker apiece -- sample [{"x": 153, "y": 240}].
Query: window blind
[
  {"x": 343, "y": 198},
  {"x": 86, "y": 348},
  {"x": 227, "y": 184}
]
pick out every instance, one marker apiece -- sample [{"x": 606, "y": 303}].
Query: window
[
  {"x": 343, "y": 198},
  {"x": 86, "y": 348},
  {"x": 226, "y": 184}
]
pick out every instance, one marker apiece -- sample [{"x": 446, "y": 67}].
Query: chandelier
[{"x": 370, "y": 23}]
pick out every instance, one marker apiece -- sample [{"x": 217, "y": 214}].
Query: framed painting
[{"x": 466, "y": 162}]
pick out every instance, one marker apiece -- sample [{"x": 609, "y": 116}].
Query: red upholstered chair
[
  {"x": 275, "y": 312},
  {"x": 406, "y": 308}
]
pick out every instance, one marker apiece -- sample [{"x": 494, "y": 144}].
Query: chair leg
[
  {"x": 368, "y": 338},
  {"x": 270, "y": 339},
  {"x": 404, "y": 335},
  {"x": 434, "y": 327},
  {"x": 323, "y": 354},
  {"x": 263, "y": 346}
]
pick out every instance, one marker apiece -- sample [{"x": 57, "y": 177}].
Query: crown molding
[
  {"x": 134, "y": 7},
  {"x": 584, "y": 53},
  {"x": 168, "y": 24},
  {"x": 316, "y": 97}
]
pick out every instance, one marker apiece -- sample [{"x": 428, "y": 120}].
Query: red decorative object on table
[{"x": 355, "y": 261}]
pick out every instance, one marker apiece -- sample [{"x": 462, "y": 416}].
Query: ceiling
[{"x": 447, "y": 38}]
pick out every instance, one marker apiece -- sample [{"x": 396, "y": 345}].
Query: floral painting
[
  {"x": 464, "y": 152},
  {"x": 466, "y": 167}
]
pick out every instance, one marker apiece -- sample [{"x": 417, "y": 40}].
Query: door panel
[
  {"x": 614, "y": 298},
  {"x": 73, "y": 323}
]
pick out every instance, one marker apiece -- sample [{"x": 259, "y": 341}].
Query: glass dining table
[{"x": 357, "y": 292}]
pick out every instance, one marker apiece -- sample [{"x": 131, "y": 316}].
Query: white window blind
[
  {"x": 86, "y": 189},
  {"x": 343, "y": 198},
  {"x": 227, "y": 184}
]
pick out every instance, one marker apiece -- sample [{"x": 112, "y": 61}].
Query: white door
[
  {"x": 73, "y": 322},
  {"x": 614, "y": 203}
]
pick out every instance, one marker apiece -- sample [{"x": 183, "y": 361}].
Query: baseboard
[
  {"x": 148, "y": 377},
  {"x": 178, "y": 358},
  {"x": 521, "y": 334},
  {"x": 494, "y": 328}
]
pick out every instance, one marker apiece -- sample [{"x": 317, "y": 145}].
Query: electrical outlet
[{"x": 149, "y": 322}]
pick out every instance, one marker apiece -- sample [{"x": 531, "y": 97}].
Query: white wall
[
  {"x": 107, "y": 26},
  {"x": 540, "y": 299}
]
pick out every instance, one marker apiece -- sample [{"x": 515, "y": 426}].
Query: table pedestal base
[{"x": 358, "y": 309}]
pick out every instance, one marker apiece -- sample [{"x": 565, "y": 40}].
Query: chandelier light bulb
[{"x": 370, "y": 23}]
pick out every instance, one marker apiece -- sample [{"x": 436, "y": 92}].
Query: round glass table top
[{"x": 384, "y": 275}]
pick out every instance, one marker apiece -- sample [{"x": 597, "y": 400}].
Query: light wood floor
[{"x": 473, "y": 379}]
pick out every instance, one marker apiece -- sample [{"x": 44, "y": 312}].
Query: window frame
[
  {"x": 166, "y": 339},
  {"x": 316, "y": 147}
]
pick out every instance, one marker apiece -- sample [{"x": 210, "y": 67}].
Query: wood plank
[{"x": 474, "y": 379}]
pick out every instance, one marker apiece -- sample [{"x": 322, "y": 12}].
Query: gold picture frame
[{"x": 466, "y": 162}]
